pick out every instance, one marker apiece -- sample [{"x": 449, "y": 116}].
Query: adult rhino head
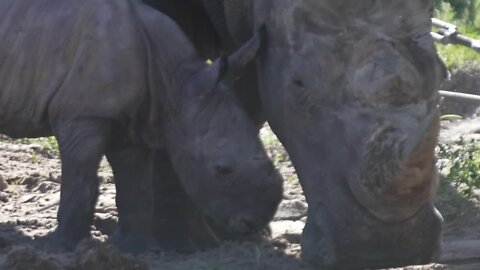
[{"x": 349, "y": 87}]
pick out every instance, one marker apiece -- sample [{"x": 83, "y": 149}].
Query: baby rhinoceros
[{"x": 117, "y": 78}]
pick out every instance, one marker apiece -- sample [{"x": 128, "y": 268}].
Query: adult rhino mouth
[{"x": 398, "y": 173}]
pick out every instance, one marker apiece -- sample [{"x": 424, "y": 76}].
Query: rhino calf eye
[
  {"x": 223, "y": 170},
  {"x": 298, "y": 82}
]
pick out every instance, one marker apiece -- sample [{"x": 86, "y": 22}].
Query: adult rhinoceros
[
  {"x": 119, "y": 78},
  {"x": 349, "y": 87}
]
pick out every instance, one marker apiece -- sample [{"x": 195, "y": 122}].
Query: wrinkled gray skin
[
  {"x": 119, "y": 78},
  {"x": 356, "y": 108},
  {"x": 349, "y": 87}
]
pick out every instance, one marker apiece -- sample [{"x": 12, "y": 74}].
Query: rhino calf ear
[
  {"x": 223, "y": 66},
  {"x": 247, "y": 53}
]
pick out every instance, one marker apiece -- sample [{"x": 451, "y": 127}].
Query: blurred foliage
[
  {"x": 463, "y": 14},
  {"x": 459, "y": 164},
  {"x": 274, "y": 148},
  {"x": 465, "y": 10}
]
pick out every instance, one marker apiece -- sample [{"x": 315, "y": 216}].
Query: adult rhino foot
[
  {"x": 131, "y": 243},
  {"x": 369, "y": 243}
]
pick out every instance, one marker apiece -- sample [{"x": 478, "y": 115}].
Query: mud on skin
[{"x": 122, "y": 80}]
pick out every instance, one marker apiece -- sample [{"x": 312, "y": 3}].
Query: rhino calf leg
[
  {"x": 132, "y": 169},
  {"x": 82, "y": 144},
  {"x": 178, "y": 224}
]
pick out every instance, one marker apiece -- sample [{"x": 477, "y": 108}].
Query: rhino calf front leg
[
  {"x": 82, "y": 144},
  {"x": 132, "y": 169},
  {"x": 178, "y": 224}
]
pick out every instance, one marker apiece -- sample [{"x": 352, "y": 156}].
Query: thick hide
[
  {"x": 118, "y": 78},
  {"x": 350, "y": 90}
]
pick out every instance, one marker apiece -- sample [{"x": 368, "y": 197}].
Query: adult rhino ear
[{"x": 230, "y": 67}]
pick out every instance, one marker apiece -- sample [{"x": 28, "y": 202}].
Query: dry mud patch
[{"x": 29, "y": 192}]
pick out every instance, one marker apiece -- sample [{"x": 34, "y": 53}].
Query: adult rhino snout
[{"x": 398, "y": 173}]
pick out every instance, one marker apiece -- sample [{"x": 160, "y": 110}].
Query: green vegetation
[
  {"x": 278, "y": 155},
  {"x": 461, "y": 9},
  {"x": 463, "y": 14},
  {"x": 460, "y": 166},
  {"x": 46, "y": 145},
  {"x": 274, "y": 148}
]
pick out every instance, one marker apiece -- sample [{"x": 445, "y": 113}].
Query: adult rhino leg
[
  {"x": 82, "y": 143},
  {"x": 178, "y": 224},
  {"x": 133, "y": 171}
]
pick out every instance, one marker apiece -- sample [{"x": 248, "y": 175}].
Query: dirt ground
[{"x": 29, "y": 190}]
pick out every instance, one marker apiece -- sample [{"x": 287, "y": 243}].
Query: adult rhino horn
[
  {"x": 394, "y": 191},
  {"x": 416, "y": 160},
  {"x": 423, "y": 138}
]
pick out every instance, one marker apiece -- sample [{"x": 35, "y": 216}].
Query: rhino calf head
[
  {"x": 217, "y": 153},
  {"x": 349, "y": 87}
]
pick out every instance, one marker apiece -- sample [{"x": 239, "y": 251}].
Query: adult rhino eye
[{"x": 223, "y": 170}]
